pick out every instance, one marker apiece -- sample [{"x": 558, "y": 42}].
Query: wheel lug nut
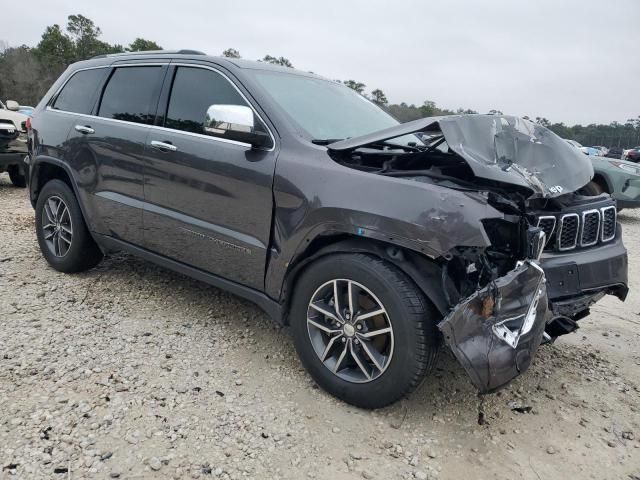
[
  {"x": 357, "y": 342},
  {"x": 359, "y": 327},
  {"x": 344, "y": 340}
]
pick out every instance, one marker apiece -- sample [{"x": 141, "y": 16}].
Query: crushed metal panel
[
  {"x": 496, "y": 332},
  {"x": 501, "y": 148}
]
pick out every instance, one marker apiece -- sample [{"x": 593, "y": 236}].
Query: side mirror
[
  {"x": 235, "y": 122},
  {"x": 12, "y": 105}
]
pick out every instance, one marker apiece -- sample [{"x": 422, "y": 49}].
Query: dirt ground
[{"x": 132, "y": 371}]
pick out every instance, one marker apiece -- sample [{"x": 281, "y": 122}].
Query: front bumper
[
  {"x": 577, "y": 278},
  {"x": 495, "y": 333},
  {"x": 13, "y": 152}
]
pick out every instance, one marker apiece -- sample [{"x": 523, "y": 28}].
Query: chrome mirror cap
[
  {"x": 235, "y": 122},
  {"x": 224, "y": 118}
]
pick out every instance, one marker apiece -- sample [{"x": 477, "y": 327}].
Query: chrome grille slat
[
  {"x": 548, "y": 224},
  {"x": 584, "y": 228},
  {"x": 568, "y": 231},
  {"x": 589, "y": 228},
  {"x": 609, "y": 215}
]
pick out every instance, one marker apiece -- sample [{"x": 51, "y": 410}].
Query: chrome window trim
[
  {"x": 584, "y": 214},
  {"x": 546, "y": 217},
  {"x": 157, "y": 127},
  {"x": 55, "y": 95},
  {"x": 615, "y": 222},
  {"x": 575, "y": 240},
  {"x": 151, "y": 127}
]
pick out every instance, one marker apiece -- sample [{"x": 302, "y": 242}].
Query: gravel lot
[{"x": 132, "y": 371}]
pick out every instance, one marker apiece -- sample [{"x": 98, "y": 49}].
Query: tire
[
  {"x": 69, "y": 253},
  {"x": 410, "y": 348},
  {"x": 16, "y": 176},
  {"x": 592, "y": 189}
]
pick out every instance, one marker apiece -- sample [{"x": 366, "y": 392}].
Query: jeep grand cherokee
[{"x": 375, "y": 241}]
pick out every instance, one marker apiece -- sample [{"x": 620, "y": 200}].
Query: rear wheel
[
  {"x": 63, "y": 236},
  {"x": 16, "y": 176},
  {"x": 362, "y": 329}
]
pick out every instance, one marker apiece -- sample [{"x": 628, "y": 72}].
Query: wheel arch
[
  {"x": 602, "y": 180},
  {"x": 424, "y": 272},
  {"x": 43, "y": 169}
]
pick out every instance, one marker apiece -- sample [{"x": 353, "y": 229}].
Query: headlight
[{"x": 626, "y": 167}]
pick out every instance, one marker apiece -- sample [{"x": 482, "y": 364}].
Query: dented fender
[{"x": 495, "y": 333}]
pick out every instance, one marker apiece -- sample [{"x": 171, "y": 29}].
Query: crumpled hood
[{"x": 502, "y": 148}]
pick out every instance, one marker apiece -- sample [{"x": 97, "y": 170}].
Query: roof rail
[{"x": 176, "y": 52}]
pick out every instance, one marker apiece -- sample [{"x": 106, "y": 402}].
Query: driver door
[{"x": 208, "y": 200}]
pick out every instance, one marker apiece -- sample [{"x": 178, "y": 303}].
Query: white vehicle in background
[
  {"x": 13, "y": 141},
  {"x": 10, "y": 111}
]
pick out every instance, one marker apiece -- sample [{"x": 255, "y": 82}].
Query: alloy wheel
[
  {"x": 57, "y": 227},
  {"x": 350, "y": 330}
]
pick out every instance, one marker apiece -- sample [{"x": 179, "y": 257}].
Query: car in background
[
  {"x": 618, "y": 178},
  {"x": 632, "y": 155},
  {"x": 26, "y": 110},
  {"x": 13, "y": 142},
  {"x": 615, "y": 152},
  {"x": 603, "y": 150}
]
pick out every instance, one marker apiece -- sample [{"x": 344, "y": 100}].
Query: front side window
[
  {"x": 79, "y": 93},
  {"x": 129, "y": 94},
  {"x": 194, "y": 90}
]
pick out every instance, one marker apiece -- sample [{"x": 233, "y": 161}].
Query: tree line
[{"x": 26, "y": 73}]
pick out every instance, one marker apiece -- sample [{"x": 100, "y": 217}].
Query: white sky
[{"x": 575, "y": 61}]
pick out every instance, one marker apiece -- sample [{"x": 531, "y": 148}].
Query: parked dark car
[
  {"x": 299, "y": 194},
  {"x": 615, "y": 152}
]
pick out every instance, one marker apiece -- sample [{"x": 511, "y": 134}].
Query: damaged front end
[
  {"x": 549, "y": 253},
  {"x": 495, "y": 332}
]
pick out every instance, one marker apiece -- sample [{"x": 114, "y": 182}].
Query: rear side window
[
  {"x": 130, "y": 94},
  {"x": 79, "y": 93},
  {"x": 194, "y": 91}
]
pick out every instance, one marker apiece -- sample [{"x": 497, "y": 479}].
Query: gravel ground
[{"x": 132, "y": 371}]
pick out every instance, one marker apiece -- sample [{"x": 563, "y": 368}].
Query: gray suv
[{"x": 376, "y": 242}]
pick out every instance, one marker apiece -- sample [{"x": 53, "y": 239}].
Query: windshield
[{"x": 325, "y": 110}]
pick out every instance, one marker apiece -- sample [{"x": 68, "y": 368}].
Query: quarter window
[
  {"x": 130, "y": 94},
  {"x": 79, "y": 93},
  {"x": 194, "y": 90}
]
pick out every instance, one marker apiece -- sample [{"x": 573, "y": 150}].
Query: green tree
[
  {"x": 495, "y": 112},
  {"x": 84, "y": 34},
  {"x": 141, "y": 45},
  {"x": 379, "y": 97},
  {"x": 55, "y": 47},
  {"x": 231, "y": 53},
  {"x": 282, "y": 61},
  {"x": 357, "y": 86}
]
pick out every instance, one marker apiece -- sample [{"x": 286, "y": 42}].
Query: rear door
[
  {"x": 208, "y": 200},
  {"x": 107, "y": 149},
  {"x": 73, "y": 102}
]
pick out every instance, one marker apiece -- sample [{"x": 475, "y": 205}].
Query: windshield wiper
[{"x": 325, "y": 141}]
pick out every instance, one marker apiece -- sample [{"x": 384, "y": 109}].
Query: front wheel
[{"x": 362, "y": 329}]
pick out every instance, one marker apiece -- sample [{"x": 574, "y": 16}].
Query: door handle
[
  {"x": 84, "y": 129},
  {"x": 163, "y": 146}
]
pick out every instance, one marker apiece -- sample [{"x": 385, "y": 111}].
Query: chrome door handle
[
  {"x": 164, "y": 146},
  {"x": 84, "y": 129}
]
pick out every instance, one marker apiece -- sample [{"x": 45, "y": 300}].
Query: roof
[{"x": 198, "y": 55}]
